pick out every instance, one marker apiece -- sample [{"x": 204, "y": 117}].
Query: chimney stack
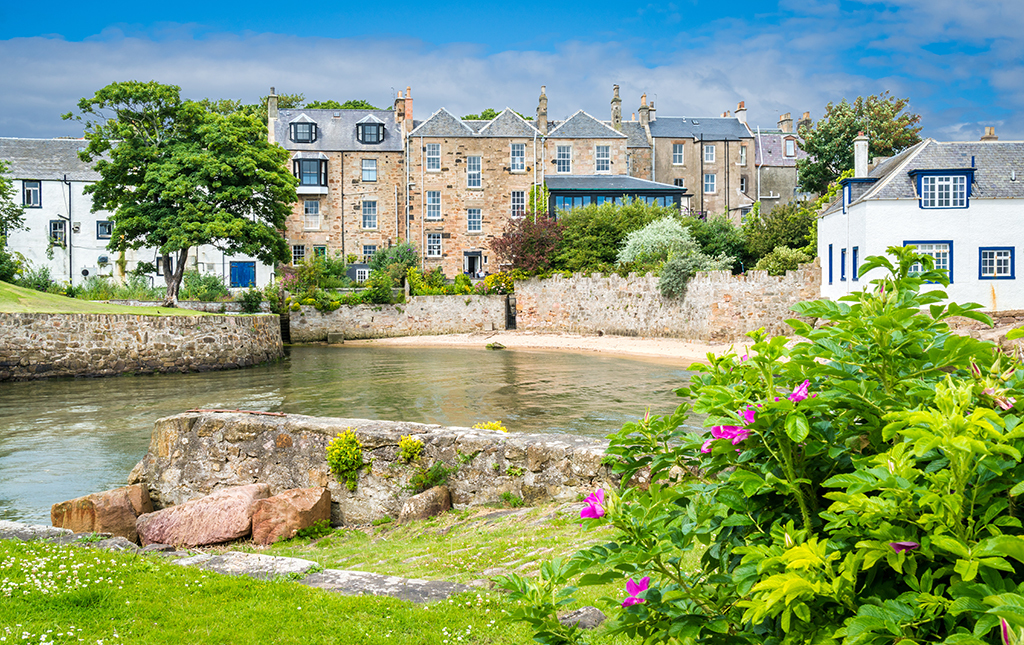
[
  {"x": 271, "y": 115},
  {"x": 804, "y": 122},
  {"x": 786, "y": 122},
  {"x": 651, "y": 115},
  {"x": 741, "y": 112},
  {"x": 408, "y": 110},
  {"x": 399, "y": 112},
  {"x": 645, "y": 112},
  {"x": 990, "y": 134},
  {"x": 616, "y": 109},
  {"x": 860, "y": 156},
  {"x": 542, "y": 111}
]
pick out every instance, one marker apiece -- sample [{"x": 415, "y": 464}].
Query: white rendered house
[
  {"x": 49, "y": 180},
  {"x": 960, "y": 202}
]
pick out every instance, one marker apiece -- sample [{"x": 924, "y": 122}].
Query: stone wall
[
  {"x": 45, "y": 345},
  {"x": 718, "y": 306},
  {"x": 197, "y": 453},
  {"x": 226, "y": 307},
  {"x": 418, "y": 316}
]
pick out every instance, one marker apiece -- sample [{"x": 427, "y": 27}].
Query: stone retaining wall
[
  {"x": 225, "y": 307},
  {"x": 194, "y": 454},
  {"x": 718, "y": 306},
  {"x": 418, "y": 316},
  {"x": 45, "y": 345}
]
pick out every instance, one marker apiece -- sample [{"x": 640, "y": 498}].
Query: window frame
[
  {"x": 789, "y": 147},
  {"x": 370, "y": 169},
  {"x": 606, "y": 158},
  {"x": 679, "y": 181},
  {"x": 678, "y": 154},
  {"x": 368, "y": 252},
  {"x": 433, "y": 157},
  {"x": 842, "y": 264},
  {"x": 306, "y": 214},
  {"x": 293, "y": 129},
  {"x": 709, "y": 147},
  {"x": 362, "y": 129},
  {"x": 1010, "y": 250},
  {"x": 432, "y": 206},
  {"x": 369, "y": 210},
  {"x": 301, "y": 174},
  {"x": 854, "y": 261},
  {"x": 99, "y": 226},
  {"x": 470, "y": 220},
  {"x": 949, "y": 251},
  {"x": 714, "y": 183},
  {"x": 57, "y": 234},
  {"x": 743, "y": 155},
  {"x": 517, "y": 162},
  {"x": 743, "y": 183},
  {"x": 232, "y": 273},
  {"x": 298, "y": 254},
  {"x": 520, "y": 212},
  {"x": 433, "y": 242},
  {"x": 320, "y": 250},
  {"x": 362, "y": 275},
  {"x": 830, "y": 267},
  {"x": 563, "y": 161},
  {"x": 474, "y": 171},
  {"x": 929, "y": 189},
  {"x": 32, "y": 187}
]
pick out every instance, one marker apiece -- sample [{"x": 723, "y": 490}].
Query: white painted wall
[{"x": 875, "y": 225}]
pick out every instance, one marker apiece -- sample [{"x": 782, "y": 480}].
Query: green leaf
[
  {"x": 1002, "y": 545},
  {"x": 954, "y": 546},
  {"x": 796, "y": 426},
  {"x": 968, "y": 569}
]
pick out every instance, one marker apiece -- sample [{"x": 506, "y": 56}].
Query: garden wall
[
  {"x": 418, "y": 316},
  {"x": 221, "y": 307},
  {"x": 718, "y": 306},
  {"x": 46, "y": 345},
  {"x": 197, "y": 453}
]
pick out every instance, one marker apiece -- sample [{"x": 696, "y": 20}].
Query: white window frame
[
  {"x": 743, "y": 155},
  {"x": 369, "y": 168},
  {"x": 941, "y": 252},
  {"x": 679, "y": 181},
  {"x": 474, "y": 172},
  {"x": 311, "y": 215},
  {"x": 518, "y": 205},
  {"x": 474, "y": 220},
  {"x": 298, "y": 253},
  {"x": 433, "y": 245},
  {"x": 433, "y": 205},
  {"x": 709, "y": 153},
  {"x": 563, "y": 160},
  {"x": 368, "y": 251},
  {"x": 790, "y": 148},
  {"x": 58, "y": 231},
  {"x": 677, "y": 154},
  {"x": 710, "y": 183},
  {"x": 370, "y": 214},
  {"x": 308, "y": 129},
  {"x": 602, "y": 159},
  {"x": 362, "y": 275},
  {"x": 433, "y": 157},
  {"x": 32, "y": 194},
  {"x": 518, "y": 157},
  {"x": 996, "y": 263},
  {"x": 944, "y": 191},
  {"x": 743, "y": 184}
]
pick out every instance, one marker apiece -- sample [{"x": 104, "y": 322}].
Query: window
[
  {"x": 680, "y": 181},
  {"x": 164, "y": 265},
  {"x": 677, "y": 154},
  {"x": 854, "y": 265},
  {"x": 58, "y": 232},
  {"x": 433, "y": 245},
  {"x": 996, "y": 263},
  {"x": 603, "y": 156},
  {"x": 474, "y": 220},
  {"x": 790, "y": 148},
  {"x": 563, "y": 159},
  {"x": 743, "y": 155},
  {"x": 709, "y": 183},
  {"x": 362, "y": 275},
  {"x": 370, "y": 132},
  {"x": 320, "y": 251},
  {"x": 32, "y": 196},
  {"x": 242, "y": 274},
  {"x": 518, "y": 157},
  {"x": 709, "y": 154},
  {"x": 518, "y": 203},
  {"x": 369, "y": 170},
  {"x": 842, "y": 265},
  {"x": 433, "y": 156},
  {"x": 830, "y": 264},
  {"x": 942, "y": 252},
  {"x": 433, "y": 204},
  {"x": 311, "y": 172},
  {"x": 104, "y": 230},
  {"x": 368, "y": 251},
  {"x": 473, "y": 172},
  {"x": 298, "y": 253},
  {"x": 743, "y": 184},
  {"x": 369, "y": 214},
  {"x": 311, "y": 213},
  {"x": 303, "y": 132},
  {"x": 944, "y": 192}
]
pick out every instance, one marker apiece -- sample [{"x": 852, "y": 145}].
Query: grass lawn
[
  {"x": 52, "y": 594},
  {"x": 18, "y": 300}
]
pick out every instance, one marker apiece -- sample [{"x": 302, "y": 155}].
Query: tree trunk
[{"x": 173, "y": 278}]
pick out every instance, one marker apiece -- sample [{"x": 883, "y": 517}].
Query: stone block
[
  {"x": 113, "y": 511},
  {"x": 221, "y": 517},
  {"x": 429, "y": 503},
  {"x": 282, "y": 516}
]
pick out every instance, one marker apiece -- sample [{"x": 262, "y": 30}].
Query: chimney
[
  {"x": 741, "y": 112},
  {"x": 645, "y": 112},
  {"x": 860, "y": 156},
  {"x": 786, "y": 122},
  {"x": 725, "y": 115},
  {"x": 616, "y": 109},
  {"x": 990, "y": 134},
  {"x": 408, "y": 110},
  {"x": 653, "y": 116},
  {"x": 399, "y": 111},
  {"x": 804, "y": 122},
  {"x": 542, "y": 111},
  {"x": 271, "y": 115}
]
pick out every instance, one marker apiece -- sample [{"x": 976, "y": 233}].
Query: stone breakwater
[
  {"x": 197, "y": 453},
  {"x": 47, "y": 345}
]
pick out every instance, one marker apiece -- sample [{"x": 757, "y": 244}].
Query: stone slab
[
  {"x": 356, "y": 583},
  {"x": 255, "y": 565},
  {"x": 28, "y": 532}
]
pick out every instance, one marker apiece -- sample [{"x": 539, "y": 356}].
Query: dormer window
[
  {"x": 303, "y": 132},
  {"x": 944, "y": 192},
  {"x": 370, "y": 132},
  {"x": 790, "y": 147}
]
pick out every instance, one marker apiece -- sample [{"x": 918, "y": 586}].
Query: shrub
[
  {"x": 252, "y": 300},
  {"x": 379, "y": 289},
  {"x": 593, "y": 235},
  {"x": 315, "y": 531},
  {"x": 529, "y": 243},
  {"x": 490, "y": 425},
  {"x": 395, "y": 261},
  {"x": 499, "y": 283},
  {"x": 37, "y": 278},
  {"x": 204, "y": 287},
  {"x": 718, "y": 236},
  {"x": 786, "y": 225},
  {"x": 782, "y": 259},
  {"x": 410, "y": 448},
  {"x": 427, "y": 478},
  {"x": 11, "y": 262},
  {"x": 345, "y": 458},
  {"x": 676, "y": 273}
]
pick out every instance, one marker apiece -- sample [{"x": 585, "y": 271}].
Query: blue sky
[{"x": 961, "y": 63}]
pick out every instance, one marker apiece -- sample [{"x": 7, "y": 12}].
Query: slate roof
[
  {"x": 338, "y": 133},
  {"x": 771, "y": 149},
  {"x": 583, "y": 126},
  {"x": 509, "y": 124},
  {"x": 444, "y": 124},
  {"x": 48, "y": 159},
  {"x": 710, "y": 128},
  {"x": 636, "y": 133},
  {"x": 606, "y": 182}
]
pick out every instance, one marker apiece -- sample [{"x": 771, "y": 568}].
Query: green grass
[
  {"x": 19, "y": 300},
  {"x": 71, "y": 593}
]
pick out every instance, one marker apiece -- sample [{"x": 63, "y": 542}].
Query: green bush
[
  {"x": 204, "y": 287},
  {"x": 410, "y": 448},
  {"x": 427, "y": 478},
  {"x": 718, "y": 236},
  {"x": 345, "y": 458},
  {"x": 395, "y": 261},
  {"x": 782, "y": 259},
  {"x": 11, "y": 262},
  {"x": 786, "y": 225},
  {"x": 500, "y": 283},
  {"x": 252, "y": 300},
  {"x": 379, "y": 289},
  {"x": 676, "y": 274},
  {"x": 37, "y": 278},
  {"x": 592, "y": 236}
]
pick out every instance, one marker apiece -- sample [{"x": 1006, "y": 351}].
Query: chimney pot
[
  {"x": 860, "y": 156},
  {"x": 990, "y": 134},
  {"x": 741, "y": 106},
  {"x": 786, "y": 122}
]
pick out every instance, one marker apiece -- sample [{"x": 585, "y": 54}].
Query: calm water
[{"x": 66, "y": 438}]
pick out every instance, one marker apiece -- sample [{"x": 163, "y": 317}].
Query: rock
[
  {"x": 116, "y": 543},
  {"x": 282, "y": 516},
  {"x": 158, "y": 548},
  {"x": 221, "y": 517},
  {"x": 256, "y": 565},
  {"x": 584, "y": 618},
  {"x": 429, "y": 503},
  {"x": 356, "y": 583},
  {"x": 113, "y": 511},
  {"x": 28, "y": 532}
]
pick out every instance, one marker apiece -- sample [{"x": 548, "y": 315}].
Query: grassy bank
[
  {"x": 63, "y": 594},
  {"x": 19, "y": 300}
]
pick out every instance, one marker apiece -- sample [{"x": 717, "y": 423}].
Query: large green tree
[
  {"x": 177, "y": 174},
  {"x": 829, "y": 143},
  {"x": 12, "y": 212}
]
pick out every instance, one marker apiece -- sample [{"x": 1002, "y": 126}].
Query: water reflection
[{"x": 65, "y": 438}]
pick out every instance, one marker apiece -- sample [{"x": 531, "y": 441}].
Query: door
[
  {"x": 471, "y": 263},
  {"x": 243, "y": 274}
]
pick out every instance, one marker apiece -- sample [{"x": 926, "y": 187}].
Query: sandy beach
[{"x": 670, "y": 349}]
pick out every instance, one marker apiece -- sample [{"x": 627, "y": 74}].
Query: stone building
[{"x": 777, "y": 151}]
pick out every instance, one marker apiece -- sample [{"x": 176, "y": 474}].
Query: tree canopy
[
  {"x": 829, "y": 143},
  {"x": 12, "y": 213},
  {"x": 177, "y": 174},
  {"x": 353, "y": 104},
  {"x": 489, "y": 114}
]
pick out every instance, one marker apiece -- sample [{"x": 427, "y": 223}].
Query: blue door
[{"x": 243, "y": 274}]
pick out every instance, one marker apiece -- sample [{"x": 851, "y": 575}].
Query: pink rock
[
  {"x": 113, "y": 511},
  {"x": 282, "y": 516},
  {"x": 221, "y": 517},
  {"x": 429, "y": 503}
]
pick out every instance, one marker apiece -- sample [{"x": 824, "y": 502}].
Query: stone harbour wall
[
  {"x": 47, "y": 345},
  {"x": 197, "y": 453},
  {"x": 418, "y": 316},
  {"x": 718, "y": 306}
]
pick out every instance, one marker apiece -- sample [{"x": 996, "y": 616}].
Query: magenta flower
[
  {"x": 707, "y": 446},
  {"x": 1005, "y": 402},
  {"x": 1009, "y": 638},
  {"x": 735, "y": 434},
  {"x": 748, "y": 415},
  {"x": 634, "y": 588},
  {"x": 800, "y": 391},
  {"x": 900, "y": 547},
  {"x": 594, "y": 505}
]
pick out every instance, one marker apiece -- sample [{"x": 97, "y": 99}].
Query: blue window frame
[
  {"x": 996, "y": 263},
  {"x": 830, "y": 264},
  {"x": 243, "y": 274},
  {"x": 940, "y": 250},
  {"x": 842, "y": 265},
  {"x": 949, "y": 188},
  {"x": 854, "y": 264},
  {"x": 104, "y": 229}
]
